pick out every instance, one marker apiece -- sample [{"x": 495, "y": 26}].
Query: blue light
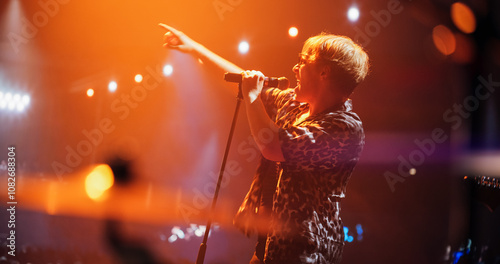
[
  {"x": 457, "y": 256},
  {"x": 359, "y": 229},
  {"x": 347, "y": 237}
]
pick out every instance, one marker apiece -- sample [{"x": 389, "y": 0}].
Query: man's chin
[{"x": 299, "y": 96}]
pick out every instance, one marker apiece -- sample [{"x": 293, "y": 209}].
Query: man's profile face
[{"x": 307, "y": 74}]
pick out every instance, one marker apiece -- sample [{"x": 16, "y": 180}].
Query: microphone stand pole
[{"x": 203, "y": 247}]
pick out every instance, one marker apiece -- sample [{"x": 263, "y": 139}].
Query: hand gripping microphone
[{"x": 281, "y": 83}]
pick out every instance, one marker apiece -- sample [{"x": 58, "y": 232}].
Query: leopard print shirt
[{"x": 320, "y": 154}]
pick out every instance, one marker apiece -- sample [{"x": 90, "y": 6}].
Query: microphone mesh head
[{"x": 283, "y": 83}]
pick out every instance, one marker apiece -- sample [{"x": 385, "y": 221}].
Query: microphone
[{"x": 281, "y": 83}]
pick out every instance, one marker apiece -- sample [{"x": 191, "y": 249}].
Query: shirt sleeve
[{"x": 274, "y": 99}]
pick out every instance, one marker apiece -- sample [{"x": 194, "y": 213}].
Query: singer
[{"x": 317, "y": 143}]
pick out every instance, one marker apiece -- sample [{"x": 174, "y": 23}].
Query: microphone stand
[{"x": 203, "y": 247}]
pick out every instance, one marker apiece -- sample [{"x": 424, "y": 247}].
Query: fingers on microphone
[
  {"x": 259, "y": 74},
  {"x": 253, "y": 75}
]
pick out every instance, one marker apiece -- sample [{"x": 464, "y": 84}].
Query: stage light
[
  {"x": 463, "y": 17},
  {"x": 11, "y": 105},
  {"x": 347, "y": 237},
  {"x": 172, "y": 238},
  {"x": 138, "y": 78},
  {"x": 243, "y": 47},
  {"x": 26, "y": 99},
  {"x": 99, "y": 181},
  {"x": 168, "y": 70},
  {"x": 9, "y": 99},
  {"x": 90, "y": 92},
  {"x": 20, "y": 107},
  {"x": 353, "y": 14},
  {"x": 200, "y": 230},
  {"x": 359, "y": 229},
  {"x": 112, "y": 86},
  {"x": 444, "y": 40},
  {"x": 178, "y": 232},
  {"x": 3, "y": 101},
  {"x": 293, "y": 32},
  {"x": 413, "y": 171}
]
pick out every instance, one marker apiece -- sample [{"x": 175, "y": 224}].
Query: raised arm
[
  {"x": 175, "y": 39},
  {"x": 251, "y": 87}
]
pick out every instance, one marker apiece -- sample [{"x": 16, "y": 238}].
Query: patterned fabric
[
  {"x": 320, "y": 154},
  {"x": 260, "y": 194}
]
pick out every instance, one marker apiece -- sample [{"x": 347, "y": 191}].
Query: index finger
[{"x": 169, "y": 28}]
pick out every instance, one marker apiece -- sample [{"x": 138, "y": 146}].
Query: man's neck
[{"x": 324, "y": 101}]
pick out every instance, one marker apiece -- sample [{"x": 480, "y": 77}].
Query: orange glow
[
  {"x": 51, "y": 200},
  {"x": 293, "y": 32},
  {"x": 142, "y": 202},
  {"x": 464, "y": 52},
  {"x": 138, "y": 78},
  {"x": 463, "y": 17},
  {"x": 98, "y": 181},
  {"x": 90, "y": 92},
  {"x": 444, "y": 40}
]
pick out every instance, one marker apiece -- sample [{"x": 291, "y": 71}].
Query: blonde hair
[{"x": 348, "y": 60}]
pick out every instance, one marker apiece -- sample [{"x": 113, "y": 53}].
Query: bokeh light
[
  {"x": 168, "y": 70},
  {"x": 112, "y": 86},
  {"x": 90, "y": 92},
  {"x": 243, "y": 47},
  {"x": 16, "y": 101},
  {"x": 99, "y": 181},
  {"x": 353, "y": 14},
  {"x": 138, "y": 78},
  {"x": 293, "y": 32},
  {"x": 11, "y": 105},
  {"x": 26, "y": 99},
  {"x": 20, "y": 107},
  {"x": 463, "y": 17},
  {"x": 444, "y": 40}
]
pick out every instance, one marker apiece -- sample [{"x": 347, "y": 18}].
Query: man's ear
[{"x": 326, "y": 70}]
